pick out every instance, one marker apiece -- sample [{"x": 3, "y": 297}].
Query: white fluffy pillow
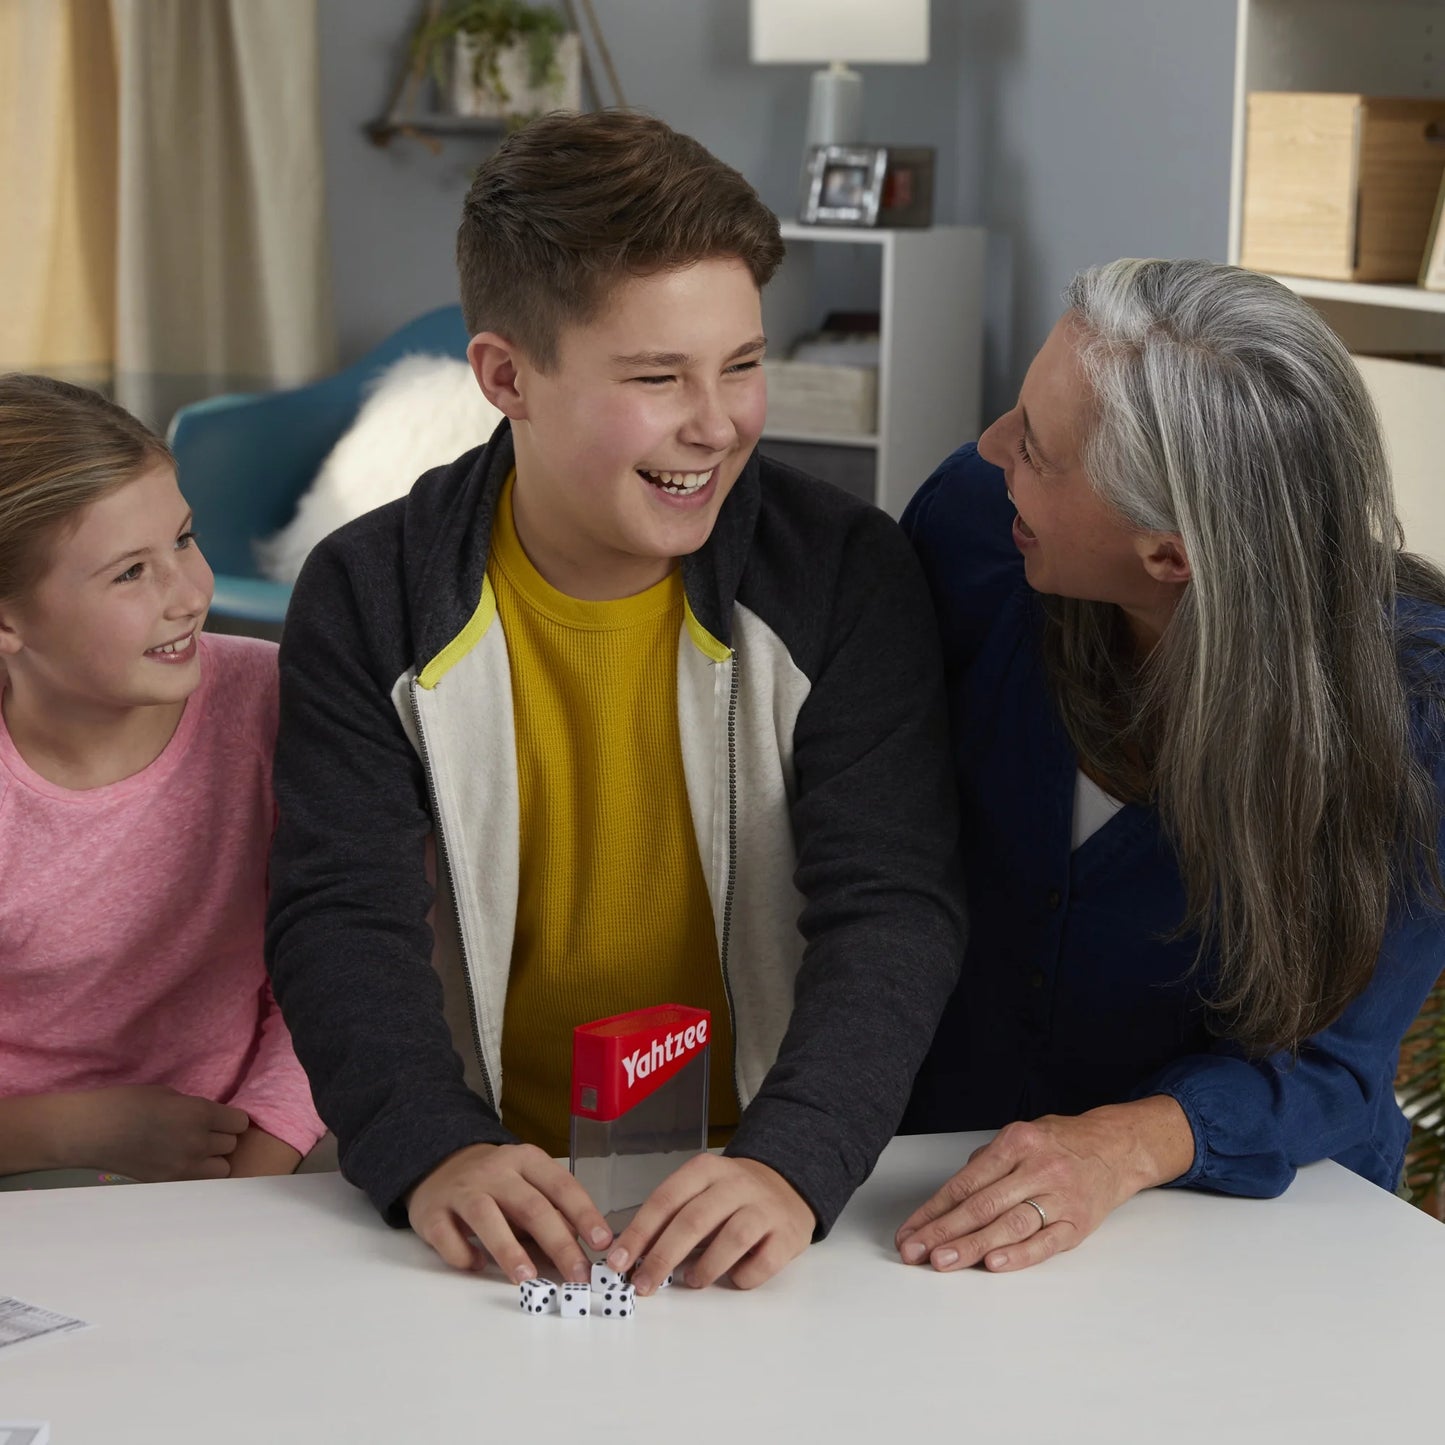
[{"x": 422, "y": 411}]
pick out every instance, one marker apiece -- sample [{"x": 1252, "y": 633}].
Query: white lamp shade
[{"x": 817, "y": 32}]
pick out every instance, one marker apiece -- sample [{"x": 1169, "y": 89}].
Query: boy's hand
[
  {"x": 153, "y": 1133},
  {"x": 494, "y": 1191},
  {"x": 257, "y": 1153},
  {"x": 756, "y": 1222}
]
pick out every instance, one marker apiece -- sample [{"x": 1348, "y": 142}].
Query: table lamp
[{"x": 831, "y": 33}]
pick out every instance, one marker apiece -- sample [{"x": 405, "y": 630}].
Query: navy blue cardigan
[{"x": 1072, "y": 995}]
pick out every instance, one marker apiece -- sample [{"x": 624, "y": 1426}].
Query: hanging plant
[
  {"x": 1420, "y": 1088},
  {"x": 477, "y": 39}
]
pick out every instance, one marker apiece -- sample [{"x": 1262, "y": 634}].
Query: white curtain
[{"x": 163, "y": 195}]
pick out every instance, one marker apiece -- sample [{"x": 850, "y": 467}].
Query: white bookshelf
[
  {"x": 929, "y": 297},
  {"x": 1374, "y": 47}
]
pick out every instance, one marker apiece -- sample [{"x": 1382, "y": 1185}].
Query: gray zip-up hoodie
[{"x": 815, "y": 749}]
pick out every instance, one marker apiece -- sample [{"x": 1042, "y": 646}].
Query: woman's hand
[{"x": 1038, "y": 1188}]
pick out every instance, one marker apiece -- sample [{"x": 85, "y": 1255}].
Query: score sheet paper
[
  {"x": 24, "y": 1432},
  {"x": 20, "y": 1322}
]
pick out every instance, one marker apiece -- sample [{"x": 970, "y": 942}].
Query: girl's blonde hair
[{"x": 61, "y": 448}]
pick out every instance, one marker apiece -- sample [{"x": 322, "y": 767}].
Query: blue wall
[{"x": 1074, "y": 130}]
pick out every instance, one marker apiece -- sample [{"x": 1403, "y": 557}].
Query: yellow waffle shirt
[{"x": 612, "y": 911}]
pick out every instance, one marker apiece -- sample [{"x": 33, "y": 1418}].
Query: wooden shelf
[
  {"x": 1401, "y": 297},
  {"x": 433, "y": 124},
  {"x": 1365, "y": 47}
]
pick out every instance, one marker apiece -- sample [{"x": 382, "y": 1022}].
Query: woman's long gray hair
[{"x": 1270, "y": 726}]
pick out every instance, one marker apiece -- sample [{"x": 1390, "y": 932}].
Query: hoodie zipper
[
  {"x": 727, "y": 918},
  {"x": 728, "y": 891},
  {"x": 445, "y": 862}
]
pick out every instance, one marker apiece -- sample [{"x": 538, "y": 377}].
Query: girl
[
  {"x": 137, "y": 1031},
  {"x": 1196, "y": 705}
]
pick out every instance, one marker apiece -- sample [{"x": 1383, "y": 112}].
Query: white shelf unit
[
  {"x": 1373, "y": 47},
  {"x": 930, "y": 305}
]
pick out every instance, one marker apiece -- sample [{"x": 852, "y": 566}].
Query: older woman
[{"x": 1196, "y": 705}]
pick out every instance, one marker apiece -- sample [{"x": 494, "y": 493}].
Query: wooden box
[{"x": 1340, "y": 186}]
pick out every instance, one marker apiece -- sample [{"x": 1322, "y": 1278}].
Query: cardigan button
[
  {"x": 1054, "y": 899},
  {"x": 1036, "y": 979}
]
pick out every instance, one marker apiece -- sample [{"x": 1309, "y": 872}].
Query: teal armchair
[{"x": 245, "y": 461}]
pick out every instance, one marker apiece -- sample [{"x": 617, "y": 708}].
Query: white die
[
  {"x": 662, "y": 1283},
  {"x": 604, "y": 1278},
  {"x": 576, "y": 1299},
  {"x": 617, "y": 1303},
  {"x": 538, "y": 1296}
]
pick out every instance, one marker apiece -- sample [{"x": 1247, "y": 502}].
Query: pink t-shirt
[{"x": 131, "y": 915}]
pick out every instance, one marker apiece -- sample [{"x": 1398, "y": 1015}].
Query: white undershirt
[{"x": 1093, "y": 807}]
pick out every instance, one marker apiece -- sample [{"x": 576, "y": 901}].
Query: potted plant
[
  {"x": 500, "y": 59},
  {"x": 1420, "y": 1088}
]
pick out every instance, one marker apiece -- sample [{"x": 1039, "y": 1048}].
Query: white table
[{"x": 282, "y": 1310}]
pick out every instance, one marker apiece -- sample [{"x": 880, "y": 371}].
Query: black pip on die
[
  {"x": 606, "y": 1296},
  {"x": 616, "y": 1303},
  {"x": 539, "y": 1296}
]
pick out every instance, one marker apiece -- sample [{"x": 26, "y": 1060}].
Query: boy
[{"x": 671, "y": 716}]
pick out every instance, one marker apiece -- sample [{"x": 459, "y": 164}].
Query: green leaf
[{"x": 491, "y": 26}]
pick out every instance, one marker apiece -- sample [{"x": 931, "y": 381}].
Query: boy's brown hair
[
  {"x": 61, "y": 448},
  {"x": 572, "y": 204}
]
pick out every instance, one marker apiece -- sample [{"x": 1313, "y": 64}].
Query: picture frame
[{"x": 867, "y": 185}]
